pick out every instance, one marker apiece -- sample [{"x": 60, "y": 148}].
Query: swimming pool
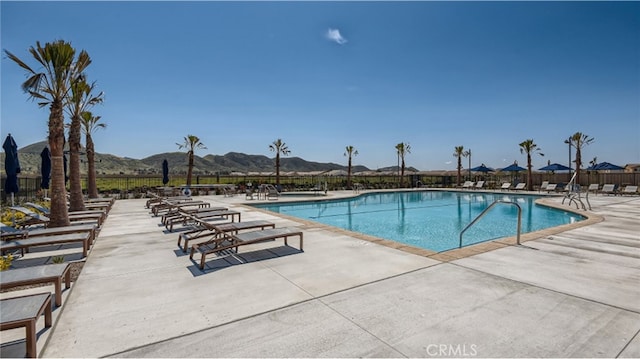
[{"x": 431, "y": 220}]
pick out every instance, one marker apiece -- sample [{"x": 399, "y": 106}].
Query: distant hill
[{"x": 209, "y": 164}]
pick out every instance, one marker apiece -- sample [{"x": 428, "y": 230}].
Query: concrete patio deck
[{"x": 569, "y": 294}]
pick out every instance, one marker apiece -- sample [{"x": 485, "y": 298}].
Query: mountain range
[{"x": 210, "y": 164}]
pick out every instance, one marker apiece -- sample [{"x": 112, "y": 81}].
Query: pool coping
[{"x": 451, "y": 254}]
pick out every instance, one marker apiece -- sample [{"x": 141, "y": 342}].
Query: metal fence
[{"x": 132, "y": 186}]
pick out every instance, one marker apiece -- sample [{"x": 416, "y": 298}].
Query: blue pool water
[{"x": 428, "y": 219}]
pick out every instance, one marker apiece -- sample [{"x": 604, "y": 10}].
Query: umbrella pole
[{"x": 13, "y": 212}]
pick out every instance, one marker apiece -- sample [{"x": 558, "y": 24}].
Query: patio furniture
[
  {"x": 218, "y": 230},
  {"x": 609, "y": 189},
  {"x": 520, "y": 186},
  {"x": 505, "y": 186},
  {"x": 48, "y": 273},
  {"x": 19, "y": 244},
  {"x": 24, "y": 312},
  {"x": 629, "y": 190},
  {"x": 234, "y": 241},
  {"x": 7, "y": 232}
]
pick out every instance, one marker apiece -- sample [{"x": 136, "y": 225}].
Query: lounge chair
[
  {"x": 7, "y": 232},
  {"x": 543, "y": 186},
  {"x": 202, "y": 216},
  {"x": 18, "y": 312},
  {"x": 551, "y": 187},
  {"x": 34, "y": 219},
  {"x": 177, "y": 215},
  {"x": 91, "y": 214},
  {"x": 505, "y": 186},
  {"x": 467, "y": 184},
  {"x": 214, "y": 231},
  {"x": 155, "y": 199},
  {"x": 479, "y": 185},
  {"x": 609, "y": 189},
  {"x": 520, "y": 186},
  {"x": 234, "y": 241},
  {"x": 272, "y": 192},
  {"x": 594, "y": 187},
  {"x": 169, "y": 205},
  {"x": 20, "y": 244},
  {"x": 630, "y": 190},
  {"x": 48, "y": 273}
]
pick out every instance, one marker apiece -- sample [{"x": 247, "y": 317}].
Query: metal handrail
[{"x": 486, "y": 210}]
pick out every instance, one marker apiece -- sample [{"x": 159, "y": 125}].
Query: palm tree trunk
[
  {"x": 529, "y": 180},
  {"x": 349, "y": 174},
  {"x": 578, "y": 164},
  {"x": 92, "y": 188},
  {"x": 402, "y": 174},
  {"x": 59, "y": 213},
  {"x": 459, "y": 169},
  {"x": 190, "y": 170},
  {"x": 278, "y": 169},
  {"x": 76, "y": 201}
]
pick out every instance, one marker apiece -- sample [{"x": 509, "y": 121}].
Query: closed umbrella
[
  {"x": 12, "y": 168},
  {"x": 165, "y": 172},
  {"x": 45, "y": 169}
]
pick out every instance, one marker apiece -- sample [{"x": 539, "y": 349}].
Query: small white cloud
[
  {"x": 448, "y": 162},
  {"x": 334, "y": 35}
]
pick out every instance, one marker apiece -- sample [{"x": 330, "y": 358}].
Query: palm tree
[
  {"x": 594, "y": 161},
  {"x": 279, "y": 148},
  {"x": 60, "y": 70},
  {"x": 578, "y": 141},
  {"x": 459, "y": 153},
  {"x": 90, "y": 124},
  {"x": 402, "y": 150},
  {"x": 529, "y": 147},
  {"x": 467, "y": 154},
  {"x": 350, "y": 152},
  {"x": 191, "y": 143},
  {"x": 80, "y": 100}
]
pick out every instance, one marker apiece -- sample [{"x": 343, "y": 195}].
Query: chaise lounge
[
  {"x": 234, "y": 241},
  {"x": 216, "y": 231},
  {"x": 20, "y": 244},
  {"x": 24, "y": 312},
  {"x": 48, "y": 273}
]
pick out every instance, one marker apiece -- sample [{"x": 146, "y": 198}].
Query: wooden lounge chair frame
[
  {"x": 505, "y": 186},
  {"x": 169, "y": 205},
  {"x": 36, "y": 241},
  {"x": 216, "y": 231},
  {"x": 48, "y": 273},
  {"x": 24, "y": 312},
  {"x": 177, "y": 215},
  {"x": 10, "y": 232},
  {"x": 629, "y": 190},
  {"x": 234, "y": 241}
]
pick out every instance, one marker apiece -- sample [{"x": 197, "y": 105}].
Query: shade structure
[
  {"x": 165, "y": 172},
  {"x": 604, "y": 166},
  {"x": 482, "y": 168},
  {"x": 513, "y": 168},
  {"x": 11, "y": 165},
  {"x": 555, "y": 167},
  {"x": 45, "y": 168}
]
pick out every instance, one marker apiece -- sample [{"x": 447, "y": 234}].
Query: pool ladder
[{"x": 486, "y": 210}]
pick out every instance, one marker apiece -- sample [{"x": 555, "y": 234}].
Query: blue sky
[{"x": 325, "y": 75}]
